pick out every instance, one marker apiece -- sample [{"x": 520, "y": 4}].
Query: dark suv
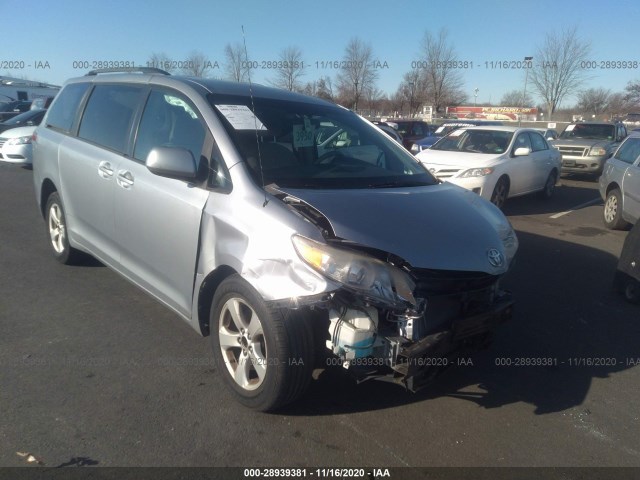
[
  {"x": 411, "y": 130},
  {"x": 585, "y": 146}
]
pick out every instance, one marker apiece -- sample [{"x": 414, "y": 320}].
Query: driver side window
[
  {"x": 522, "y": 140},
  {"x": 168, "y": 121}
]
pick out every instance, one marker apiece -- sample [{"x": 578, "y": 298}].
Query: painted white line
[{"x": 582, "y": 205}]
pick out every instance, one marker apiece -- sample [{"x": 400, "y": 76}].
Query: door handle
[
  {"x": 105, "y": 170},
  {"x": 125, "y": 179}
]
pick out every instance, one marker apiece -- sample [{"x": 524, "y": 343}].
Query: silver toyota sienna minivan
[{"x": 291, "y": 230}]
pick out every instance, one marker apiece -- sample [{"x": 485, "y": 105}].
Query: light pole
[
  {"x": 524, "y": 93},
  {"x": 356, "y": 103},
  {"x": 412, "y": 85},
  {"x": 475, "y": 96}
]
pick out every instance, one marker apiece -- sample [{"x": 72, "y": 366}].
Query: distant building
[
  {"x": 20, "y": 89},
  {"x": 507, "y": 114}
]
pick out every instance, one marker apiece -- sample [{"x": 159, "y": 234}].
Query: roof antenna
[{"x": 255, "y": 118}]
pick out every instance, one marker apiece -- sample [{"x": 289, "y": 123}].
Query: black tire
[
  {"x": 500, "y": 192},
  {"x": 631, "y": 291},
  {"x": 55, "y": 223},
  {"x": 549, "y": 186},
  {"x": 612, "y": 211},
  {"x": 281, "y": 342}
]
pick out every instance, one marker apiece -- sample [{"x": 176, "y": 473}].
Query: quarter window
[
  {"x": 108, "y": 115},
  {"x": 169, "y": 121},
  {"x": 64, "y": 109}
]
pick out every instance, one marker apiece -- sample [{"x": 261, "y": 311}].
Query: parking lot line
[{"x": 582, "y": 205}]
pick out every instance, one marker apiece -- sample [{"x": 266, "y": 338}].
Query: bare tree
[
  {"x": 443, "y": 83},
  {"x": 289, "y": 69},
  {"x": 236, "y": 65},
  {"x": 196, "y": 64},
  {"x": 557, "y": 69},
  {"x": 514, "y": 98},
  {"x": 594, "y": 100},
  {"x": 374, "y": 99},
  {"x": 632, "y": 92},
  {"x": 358, "y": 74},
  {"x": 161, "y": 61},
  {"x": 321, "y": 88},
  {"x": 414, "y": 90},
  {"x": 398, "y": 100},
  {"x": 620, "y": 105}
]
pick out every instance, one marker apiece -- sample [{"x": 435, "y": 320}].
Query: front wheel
[
  {"x": 612, "y": 213},
  {"x": 549, "y": 186},
  {"x": 57, "y": 231},
  {"x": 264, "y": 354},
  {"x": 500, "y": 192}
]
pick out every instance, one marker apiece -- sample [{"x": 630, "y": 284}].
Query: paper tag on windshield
[
  {"x": 303, "y": 137},
  {"x": 569, "y": 128},
  {"x": 241, "y": 117}
]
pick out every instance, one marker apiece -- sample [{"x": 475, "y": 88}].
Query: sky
[{"x": 62, "y": 37}]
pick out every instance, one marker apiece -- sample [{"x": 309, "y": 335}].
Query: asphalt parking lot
[{"x": 95, "y": 372}]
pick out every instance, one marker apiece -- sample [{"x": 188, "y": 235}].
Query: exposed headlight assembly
[{"x": 368, "y": 276}]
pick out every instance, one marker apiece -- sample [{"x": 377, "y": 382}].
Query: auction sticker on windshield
[{"x": 241, "y": 117}]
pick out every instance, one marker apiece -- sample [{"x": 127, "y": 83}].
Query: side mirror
[
  {"x": 521, "y": 152},
  {"x": 172, "y": 162}
]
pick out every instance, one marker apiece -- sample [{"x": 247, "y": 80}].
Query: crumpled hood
[{"x": 441, "y": 227}]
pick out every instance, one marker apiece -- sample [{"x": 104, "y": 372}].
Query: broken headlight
[{"x": 376, "y": 280}]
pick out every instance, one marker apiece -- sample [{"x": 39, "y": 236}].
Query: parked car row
[
  {"x": 16, "y": 132},
  {"x": 496, "y": 162}
]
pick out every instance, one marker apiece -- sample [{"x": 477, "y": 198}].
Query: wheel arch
[
  {"x": 46, "y": 189},
  {"x": 612, "y": 186},
  {"x": 206, "y": 292}
]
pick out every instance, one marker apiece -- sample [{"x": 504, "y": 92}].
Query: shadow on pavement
[{"x": 564, "y": 198}]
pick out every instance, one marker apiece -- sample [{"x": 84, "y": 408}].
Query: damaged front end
[{"x": 392, "y": 322}]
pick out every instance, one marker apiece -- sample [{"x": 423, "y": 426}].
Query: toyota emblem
[{"x": 496, "y": 259}]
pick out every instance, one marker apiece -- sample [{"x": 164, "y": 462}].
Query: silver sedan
[{"x": 620, "y": 185}]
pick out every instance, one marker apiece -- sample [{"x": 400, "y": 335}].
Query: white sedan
[
  {"x": 15, "y": 145},
  {"x": 495, "y": 162}
]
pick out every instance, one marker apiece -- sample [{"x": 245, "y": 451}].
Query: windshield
[
  {"x": 585, "y": 130},
  {"x": 305, "y": 145},
  {"x": 475, "y": 141}
]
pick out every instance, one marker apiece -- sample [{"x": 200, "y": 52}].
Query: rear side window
[
  {"x": 108, "y": 115},
  {"x": 63, "y": 111}
]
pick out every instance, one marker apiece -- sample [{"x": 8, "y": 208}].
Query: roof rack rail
[{"x": 127, "y": 70}]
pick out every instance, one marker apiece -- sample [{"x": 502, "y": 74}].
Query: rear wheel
[
  {"x": 612, "y": 212},
  {"x": 264, "y": 354},
  {"x": 57, "y": 231},
  {"x": 500, "y": 192}
]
